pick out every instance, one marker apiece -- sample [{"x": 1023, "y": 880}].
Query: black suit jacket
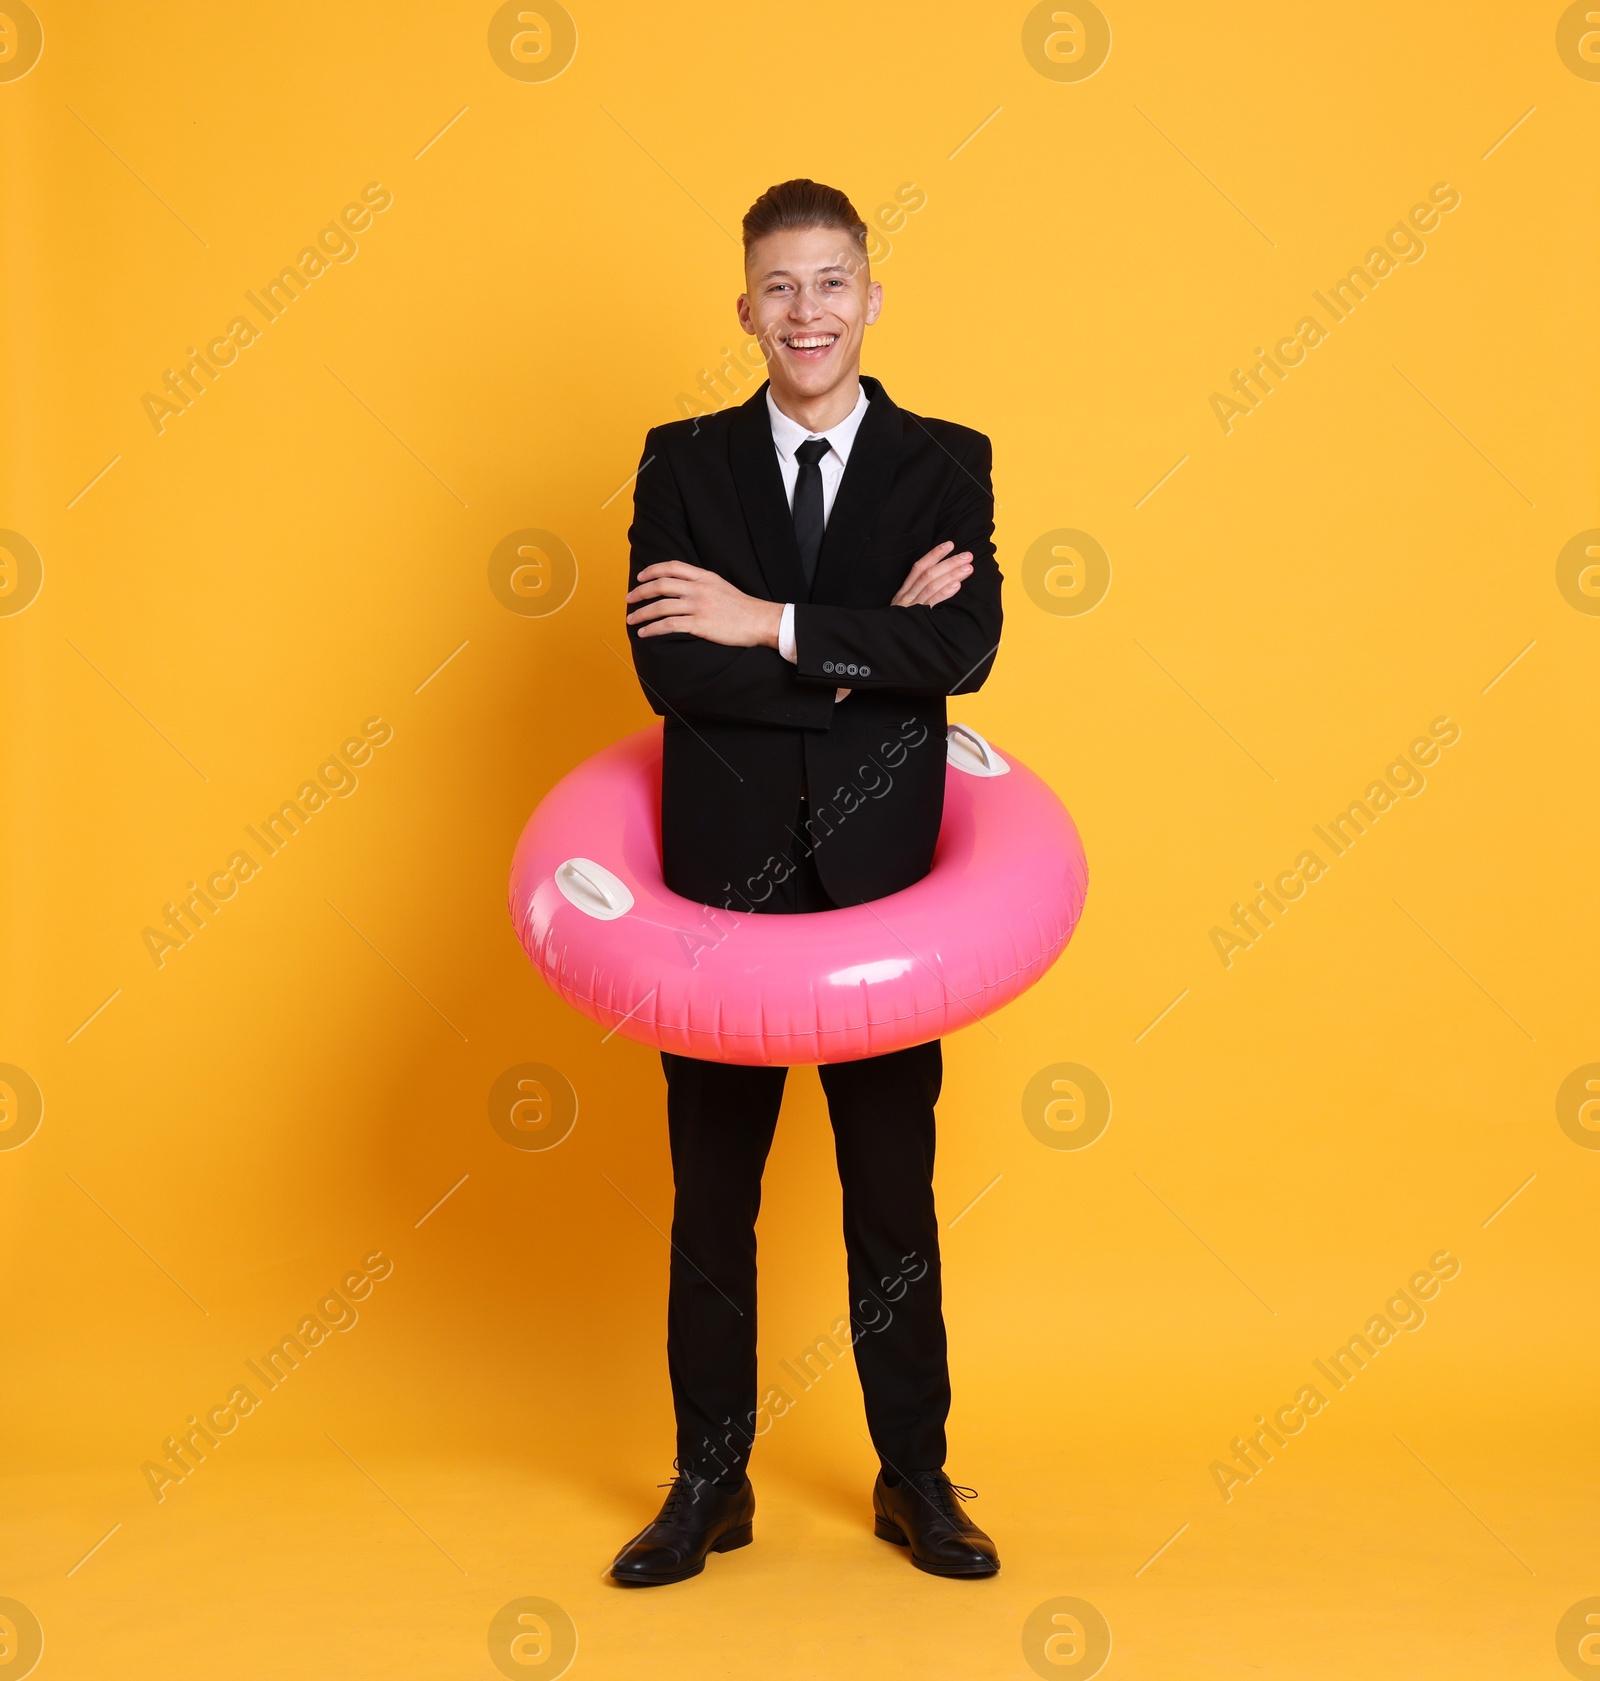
[{"x": 747, "y": 732}]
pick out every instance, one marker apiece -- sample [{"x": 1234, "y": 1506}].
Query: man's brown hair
[{"x": 802, "y": 204}]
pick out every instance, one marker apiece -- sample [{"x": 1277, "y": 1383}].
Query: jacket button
[
  {"x": 866, "y": 671},
  {"x": 851, "y": 670},
  {"x": 827, "y": 666}
]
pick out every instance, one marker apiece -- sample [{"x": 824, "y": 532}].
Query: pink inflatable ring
[{"x": 996, "y": 910}]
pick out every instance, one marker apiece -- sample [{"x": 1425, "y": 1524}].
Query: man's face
[{"x": 809, "y": 301}]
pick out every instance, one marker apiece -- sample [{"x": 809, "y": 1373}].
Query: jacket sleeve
[
  {"x": 685, "y": 676},
  {"x": 946, "y": 650}
]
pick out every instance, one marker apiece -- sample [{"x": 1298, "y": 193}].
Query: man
[{"x": 812, "y": 574}]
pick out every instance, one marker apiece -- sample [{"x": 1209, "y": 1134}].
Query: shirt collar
[{"x": 788, "y": 435}]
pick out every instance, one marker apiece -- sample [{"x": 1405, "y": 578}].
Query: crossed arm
[
  {"x": 673, "y": 596},
  {"x": 703, "y": 647}
]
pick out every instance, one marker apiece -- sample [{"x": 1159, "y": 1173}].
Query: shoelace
[
  {"x": 942, "y": 1489},
  {"x": 680, "y": 1486}
]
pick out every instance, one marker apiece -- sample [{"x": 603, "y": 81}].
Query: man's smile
[{"x": 811, "y": 347}]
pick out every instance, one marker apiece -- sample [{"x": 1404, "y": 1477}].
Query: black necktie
[{"x": 808, "y": 504}]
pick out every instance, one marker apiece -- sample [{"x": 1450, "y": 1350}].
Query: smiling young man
[{"x": 812, "y": 574}]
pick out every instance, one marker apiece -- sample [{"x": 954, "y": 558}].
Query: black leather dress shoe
[
  {"x": 923, "y": 1512},
  {"x": 697, "y": 1517}
]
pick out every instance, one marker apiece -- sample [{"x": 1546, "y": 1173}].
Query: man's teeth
[{"x": 819, "y": 343}]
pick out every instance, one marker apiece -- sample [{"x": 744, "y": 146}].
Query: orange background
[{"x": 308, "y": 546}]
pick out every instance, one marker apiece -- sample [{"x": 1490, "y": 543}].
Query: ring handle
[
  {"x": 968, "y": 751},
  {"x": 593, "y": 889}
]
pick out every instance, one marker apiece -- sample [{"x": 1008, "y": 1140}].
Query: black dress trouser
[{"x": 720, "y": 1119}]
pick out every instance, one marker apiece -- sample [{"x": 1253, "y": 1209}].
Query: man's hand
[
  {"x": 673, "y": 596},
  {"x": 935, "y": 578}
]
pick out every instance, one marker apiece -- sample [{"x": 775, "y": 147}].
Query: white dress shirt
[{"x": 787, "y": 437}]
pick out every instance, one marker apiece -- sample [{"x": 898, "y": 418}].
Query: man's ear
[
  {"x": 874, "y": 301},
  {"x": 742, "y": 307}
]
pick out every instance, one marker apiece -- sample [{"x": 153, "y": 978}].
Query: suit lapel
[
  {"x": 863, "y": 492},
  {"x": 759, "y": 482}
]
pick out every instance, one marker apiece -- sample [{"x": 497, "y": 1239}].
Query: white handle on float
[
  {"x": 968, "y": 751},
  {"x": 593, "y": 889}
]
